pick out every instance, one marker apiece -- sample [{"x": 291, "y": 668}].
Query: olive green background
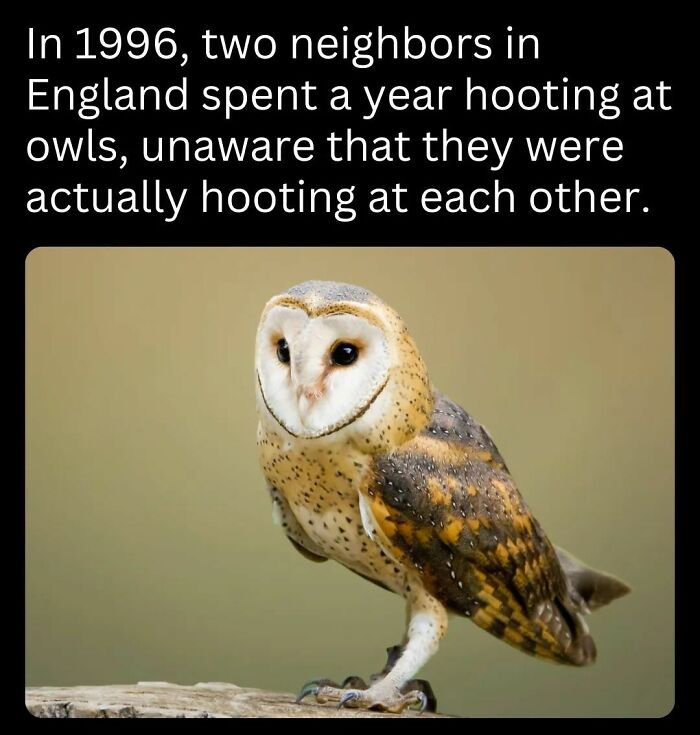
[{"x": 151, "y": 554}]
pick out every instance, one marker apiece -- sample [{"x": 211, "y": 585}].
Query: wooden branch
[{"x": 160, "y": 699}]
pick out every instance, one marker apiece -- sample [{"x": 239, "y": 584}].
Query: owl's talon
[
  {"x": 349, "y": 696},
  {"x": 353, "y": 682},
  {"x": 422, "y": 687},
  {"x": 305, "y": 693},
  {"x": 422, "y": 702},
  {"x": 313, "y": 687}
]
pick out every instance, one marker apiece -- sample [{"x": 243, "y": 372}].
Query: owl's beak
[
  {"x": 307, "y": 395},
  {"x": 311, "y": 392}
]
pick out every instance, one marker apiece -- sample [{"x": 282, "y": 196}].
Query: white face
[{"x": 319, "y": 374}]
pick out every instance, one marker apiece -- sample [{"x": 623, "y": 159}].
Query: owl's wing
[
  {"x": 445, "y": 504},
  {"x": 282, "y": 516}
]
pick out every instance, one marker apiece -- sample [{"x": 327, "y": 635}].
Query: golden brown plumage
[{"x": 446, "y": 504}]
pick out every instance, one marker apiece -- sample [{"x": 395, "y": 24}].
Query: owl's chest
[{"x": 322, "y": 487}]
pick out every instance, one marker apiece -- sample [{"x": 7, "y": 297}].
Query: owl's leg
[
  {"x": 427, "y": 624},
  {"x": 393, "y": 654}
]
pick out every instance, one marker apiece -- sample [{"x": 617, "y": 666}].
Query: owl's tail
[{"x": 595, "y": 588}]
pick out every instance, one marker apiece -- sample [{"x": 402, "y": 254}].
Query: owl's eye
[
  {"x": 344, "y": 354},
  {"x": 283, "y": 350}
]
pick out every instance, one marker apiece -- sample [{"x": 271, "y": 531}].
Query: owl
[{"x": 369, "y": 465}]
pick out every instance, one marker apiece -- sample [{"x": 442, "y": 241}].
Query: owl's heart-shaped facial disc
[{"x": 318, "y": 374}]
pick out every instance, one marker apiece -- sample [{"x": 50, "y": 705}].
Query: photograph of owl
[{"x": 369, "y": 465}]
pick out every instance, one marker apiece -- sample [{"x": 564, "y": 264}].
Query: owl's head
[{"x": 333, "y": 360}]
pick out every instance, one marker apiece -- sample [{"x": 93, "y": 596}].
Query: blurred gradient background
[{"x": 151, "y": 554}]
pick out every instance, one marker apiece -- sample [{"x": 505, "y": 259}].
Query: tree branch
[{"x": 160, "y": 699}]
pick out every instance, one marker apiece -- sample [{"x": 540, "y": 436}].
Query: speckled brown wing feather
[{"x": 447, "y": 506}]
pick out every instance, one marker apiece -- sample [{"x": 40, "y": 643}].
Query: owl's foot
[
  {"x": 378, "y": 697},
  {"x": 352, "y": 681},
  {"x": 393, "y": 654},
  {"x": 311, "y": 687},
  {"x": 354, "y": 692},
  {"x": 416, "y": 694}
]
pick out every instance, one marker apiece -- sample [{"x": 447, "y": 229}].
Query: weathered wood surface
[{"x": 160, "y": 699}]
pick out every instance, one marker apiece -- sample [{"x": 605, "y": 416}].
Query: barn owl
[{"x": 369, "y": 465}]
